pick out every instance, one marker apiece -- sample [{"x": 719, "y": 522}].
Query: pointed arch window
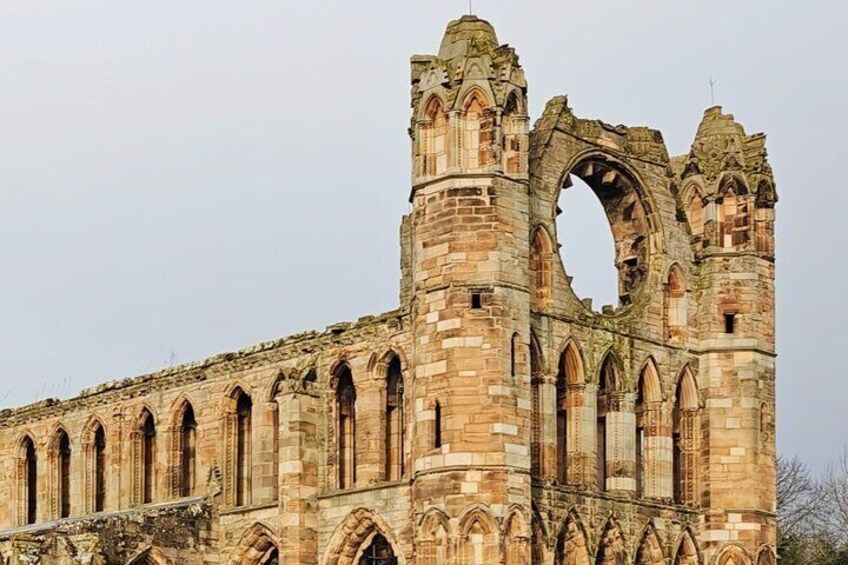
[
  {"x": 685, "y": 440},
  {"x": 541, "y": 257},
  {"x": 27, "y": 482},
  {"x": 607, "y": 384},
  {"x": 148, "y": 458},
  {"x": 649, "y": 426},
  {"x": 380, "y": 552},
  {"x": 99, "y": 460},
  {"x": 187, "y": 451},
  {"x": 695, "y": 214},
  {"x": 434, "y": 139},
  {"x": 394, "y": 421},
  {"x": 60, "y": 457},
  {"x": 676, "y": 306},
  {"x": 346, "y": 427},
  {"x": 244, "y": 422},
  {"x": 477, "y": 132},
  {"x": 514, "y": 136}
]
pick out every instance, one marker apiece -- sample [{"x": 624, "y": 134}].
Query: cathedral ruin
[{"x": 495, "y": 417}]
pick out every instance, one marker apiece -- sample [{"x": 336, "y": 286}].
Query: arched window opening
[
  {"x": 188, "y": 448},
  {"x": 244, "y": 413},
  {"x": 734, "y": 216},
  {"x": 588, "y": 248},
  {"x": 541, "y": 257},
  {"x": 434, "y": 144},
  {"x": 562, "y": 418},
  {"x": 346, "y": 429},
  {"x": 29, "y": 479},
  {"x": 676, "y": 307},
  {"x": 478, "y": 544},
  {"x": 684, "y": 439},
  {"x": 649, "y": 448},
  {"x": 99, "y": 469},
  {"x": 271, "y": 558},
  {"x": 478, "y": 133},
  {"x": 695, "y": 213},
  {"x": 148, "y": 458},
  {"x": 380, "y": 552},
  {"x": 63, "y": 472},
  {"x": 536, "y": 378},
  {"x": 607, "y": 384},
  {"x": 609, "y": 270},
  {"x": 394, "y": 421},
  {"x": 513, "y": 136},
  {"x": 437, "y": 426}
]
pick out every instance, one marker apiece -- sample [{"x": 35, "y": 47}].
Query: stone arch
[
  {"x": 687, "y": 550},
  {"x": 59, "y": 454},
  {"x": 766, "y": 556},
  {"x": 693, "y": 204},
  {"x": 733, "y": 555},
  {"x": 258, "y": 546},
  {"x": 95, "y": 465},
  {"x": 766, "y": 195},
  {"x": 477, "y": 542},
  {"x": 571, "y": 359},
  {"x": 569, "y": 398},
  {"x": 685, "y": 438},
  {"x": 630, "y": 213},
  {"x": 149, "y": 556},
  {"x": 541, "y": 267},
  {"x": 477, "y": 135},
  {"x": 652, "y": 431},
  {"x": 650, "y": 550},
  {"x": 572, "y": 546},
  {"x": 434, "y": 538},
  {"x": 433, "y": 147},
  {"x": 238, "y": 448},
  {"x": 26, "y": 467},
  {"x": 675, "y": 305},
  {"x": 144, "y": 456},
  {"x": 539, "y": 541},
  {"x": 609, "y": 376},
  {"x": 183, "y": 453},
  {"x": 354, "y": 534},
  {"x": 391, "y": 372},
  {"x": 517, "y": 538},
  {"x": 611, "y": 546},
  {"x": 343, "y": 428}
]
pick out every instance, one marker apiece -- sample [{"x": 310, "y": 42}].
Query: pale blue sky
[{"x": 183, "y": 178}]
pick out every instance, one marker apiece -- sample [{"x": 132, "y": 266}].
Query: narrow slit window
[
  {"x": 476, "y": 301},
  {"x": 437, "y": 427},
  {"x": 730, "y": 323}
]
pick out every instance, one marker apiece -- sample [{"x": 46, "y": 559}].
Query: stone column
[
  {"x": 657, "y": 450},
  {"x": 621, "y": 444},
  {"x": 115, "y": 478},
  {"x": 264, "y": 438},
  {"x": 582, "y": 411},
  {"x": 298, "y": 454}
]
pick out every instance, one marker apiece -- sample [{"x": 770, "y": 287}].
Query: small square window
[
  {"x": 476, "y": 301},
  {"x": 730, "y": 322}
]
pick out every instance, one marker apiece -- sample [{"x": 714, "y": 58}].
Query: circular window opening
[{"x": 601, "y": 227}]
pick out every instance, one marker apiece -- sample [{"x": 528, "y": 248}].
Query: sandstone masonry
[{"x": 495, "y": 417}]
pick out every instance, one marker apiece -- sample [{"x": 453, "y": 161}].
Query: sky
[{"x": 179, "y": 179}]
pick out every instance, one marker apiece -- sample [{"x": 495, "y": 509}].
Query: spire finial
[
  {"x": 470, "y": 7},
  {"x": 713, "y": 82}
]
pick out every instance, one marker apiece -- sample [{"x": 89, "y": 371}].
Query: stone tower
[
  {"x": 470, "y": 302},
  {"x": 495, "y": 417}
]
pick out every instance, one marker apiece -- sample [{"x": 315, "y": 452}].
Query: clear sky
[{"x": 183, "y": 178}]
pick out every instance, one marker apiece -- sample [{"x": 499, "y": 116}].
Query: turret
[{"x": 469, "y": 297}]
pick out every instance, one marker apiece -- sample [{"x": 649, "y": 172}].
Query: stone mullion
[
  {"x": 53, "y": 481},
  {"x": 581, "y": 444},
  {"x": 136, "y": 466},
  {"x": 369, "y": 435},
  {"x": 176, "y": 460},
  {"x": 298, "y": 461},
  {"x": 88, "y": 495},
  {"x": 454, "y": 140},
  {"x": 621, "y": 444},
  {"x": 690, "y": 431},
  {"x": 22, "y": 480},
  {"x": 229, "y": 456}
]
